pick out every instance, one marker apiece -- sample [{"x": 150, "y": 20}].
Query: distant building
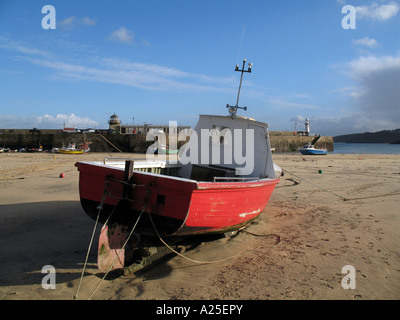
[
  {"x": 70, "y": 130},
  {"x": 114, "y": 123}
]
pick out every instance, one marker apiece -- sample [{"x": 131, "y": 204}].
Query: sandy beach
[{"x": 327, "y": 212}]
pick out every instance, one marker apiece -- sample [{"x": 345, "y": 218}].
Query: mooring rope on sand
[
  {"x": 326, "y": 190},
  {"x": 99, "y": 208},
  {"x": 338, "y": 195},
  {"x": 277, "y": 236},
  {"x": 117, "y": 257},
  {"x": 76, "y": 297},
  {"x": 181, "y": 255}
]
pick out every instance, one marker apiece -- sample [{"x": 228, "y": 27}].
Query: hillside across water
[{"x": 384, "y": 136}]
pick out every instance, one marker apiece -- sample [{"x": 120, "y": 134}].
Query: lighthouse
[
  {"x": 114, "y": 123},
  {"x": 307, "y": 129}
]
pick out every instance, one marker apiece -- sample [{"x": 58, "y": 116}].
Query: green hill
[{"x": 384, "y": 136}]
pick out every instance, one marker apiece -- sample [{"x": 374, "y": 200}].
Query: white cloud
[
  {"x": 71, "y": 22},
  {"x": 46, "y": 121},
  {"x": 68, "y": 119},
  {"x": 88, "y": 22},
  {"x": 144, "y": 76},
  {"x": 122, "y": 35},
  {"x": 378, "y": 96},
  {"x": 345, "y": 90},
  {"x": 68, "y": 23},
  {"x": 377, "y": 12},
  {"x": 299, "y": 118},
  {"x": 368, "y": 42},
  {"x": 121, "y": 71},
  {"x": 282, "y": 103},
  {"x": 347, "y": 123},
  {"x": 364, "y": 66},
  {"x": 5, "y": 43},
  {"x": 374, "y": 97}
]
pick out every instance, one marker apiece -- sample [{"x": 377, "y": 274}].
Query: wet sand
[{"x": 327, "y": 212}]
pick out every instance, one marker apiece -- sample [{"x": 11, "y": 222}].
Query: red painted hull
[{"x": 178, "y": 206}]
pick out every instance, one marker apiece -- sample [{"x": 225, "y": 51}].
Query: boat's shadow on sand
[
  {"x": 56, "y": 233},
  {"x": 34, "y": 235}
]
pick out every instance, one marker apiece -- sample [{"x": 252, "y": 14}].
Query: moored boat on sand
[
  {"x": 221, "y": 182},
  {"x": 72, "y": 149},
  {"x": 309, "y": 148}
]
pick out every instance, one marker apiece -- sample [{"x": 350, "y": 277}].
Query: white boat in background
[
  {"x": 309, "y": 148},
  {"x": 70, "y": 149}
]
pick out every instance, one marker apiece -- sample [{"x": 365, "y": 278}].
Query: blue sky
[{"x": 154, "y": 61}]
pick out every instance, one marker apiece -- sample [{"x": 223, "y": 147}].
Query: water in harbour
[{"x": 366, "y": 148}]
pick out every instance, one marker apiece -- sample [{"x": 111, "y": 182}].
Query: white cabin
[{"x": 226, "y": 146}]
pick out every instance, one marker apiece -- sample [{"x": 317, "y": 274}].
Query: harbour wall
[
  {"x": 16, "y": 139},
  {"x": 289, "y": 142},
  {"x": 125, "y": 143}
]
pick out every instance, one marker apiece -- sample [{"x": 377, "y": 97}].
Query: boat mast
[{"x": 233, "y": 109}]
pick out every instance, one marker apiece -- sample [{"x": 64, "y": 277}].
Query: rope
[
  {"x": 326, "y": 190},
  {"x": 344, "y": 198},
  {"x": 100, "y": 207},
  {"x": 109, "y": 142},
  {"x": 76, "y": 297},
  {"x": 106, "y": 194},
  {"x": 277, "y": 237},
  {"x": 181, "y": 255},
  {"x": 117, "y": 257}
]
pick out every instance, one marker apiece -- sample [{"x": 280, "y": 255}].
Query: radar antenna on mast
[{"x": 233, "y": 109}]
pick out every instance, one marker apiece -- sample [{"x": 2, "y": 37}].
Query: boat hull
[
  {"x": 178, "y": 207},
  {"x": 313, "y": 152},
  {"x": 71, "y": 152}
]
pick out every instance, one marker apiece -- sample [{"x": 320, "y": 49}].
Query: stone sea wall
[
  {"x": 289, "y": 143},
  {"x": 130, "y": 143}
]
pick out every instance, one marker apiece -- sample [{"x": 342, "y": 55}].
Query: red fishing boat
[{"x": 221, "y": 181}]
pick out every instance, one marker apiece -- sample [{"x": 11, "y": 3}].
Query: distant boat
[
  {"x": 40, "y": 149},
  {"x": 309, "y": 148},
  {"x": 70, "y": 149}
]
